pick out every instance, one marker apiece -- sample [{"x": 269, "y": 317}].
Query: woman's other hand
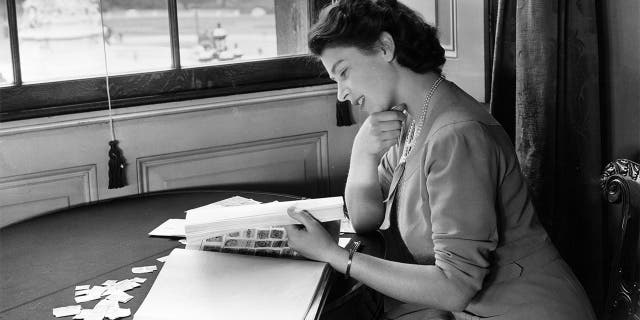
[
  {"x": 379, "y": 132},
  {"x": 310, "y": 239}
]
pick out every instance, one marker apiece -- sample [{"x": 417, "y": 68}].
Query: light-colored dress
[{"x": 463, "y": 204}]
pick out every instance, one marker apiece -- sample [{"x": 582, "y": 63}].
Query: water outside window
[
  {"x": 214, "y": 32},
  {"x": 6, "y": 70}
]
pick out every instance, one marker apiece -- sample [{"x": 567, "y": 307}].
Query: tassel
[
  {"x": 117, "y": 163},
  {"x": 343, "y": 113}
]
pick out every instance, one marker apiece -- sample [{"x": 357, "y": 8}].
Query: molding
[
  {"x": 65, "y": 199},
  {"x": 451, "y": 46},
  {"x": 162, "y": 109},
  {"x": 13, "y": 213},
  {"x": 29, "y": 195},
  {"x": 87, "y": 173},
  {"x": 317, "y": 140}
]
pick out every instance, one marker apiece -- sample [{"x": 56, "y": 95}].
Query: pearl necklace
[{"x": 415, "y": 130}]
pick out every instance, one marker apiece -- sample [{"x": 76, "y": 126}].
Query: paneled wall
[{"x": 282, "y": 141}]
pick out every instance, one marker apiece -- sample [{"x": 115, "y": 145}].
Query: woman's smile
[{"x": 359, "y": 102}]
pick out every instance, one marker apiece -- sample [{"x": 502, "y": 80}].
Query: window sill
[{"x": 161, "y": 109}]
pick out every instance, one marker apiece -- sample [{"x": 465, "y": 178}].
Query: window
[
  {"x": 6, "y": 72},
  {"x": 239, "y": 31},
  {"x": 59, "y": 40},
  {"x": 52, "y": 52}
]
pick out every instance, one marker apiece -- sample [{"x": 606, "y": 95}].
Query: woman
[{"x": 441, "y": 172}]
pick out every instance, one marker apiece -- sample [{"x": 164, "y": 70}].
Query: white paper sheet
[{"x": 169, "y": 228}]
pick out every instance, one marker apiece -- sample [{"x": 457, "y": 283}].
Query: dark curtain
[{"x": 545, "y": 92}]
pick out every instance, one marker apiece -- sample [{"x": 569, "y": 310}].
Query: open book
[
  {"x": 255, "y": 229},
  {"x": 195, "y": 284}
]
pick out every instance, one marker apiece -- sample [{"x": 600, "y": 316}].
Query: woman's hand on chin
[{"x": 379, "y": 132}]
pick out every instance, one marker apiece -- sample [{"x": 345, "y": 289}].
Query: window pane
[
  {"x": 59, "y": 39},
  {"x": 137, "y": 35},
  {"x": 219, "y": 31},
  {"x": 6, "y": 70}
]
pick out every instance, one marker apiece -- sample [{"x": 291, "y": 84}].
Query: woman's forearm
[
  {"x": 411, "y": 283},
  {"x": 363, "y": 194}
]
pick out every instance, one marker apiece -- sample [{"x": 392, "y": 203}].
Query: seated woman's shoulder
[{"x": 459, "y": 113}]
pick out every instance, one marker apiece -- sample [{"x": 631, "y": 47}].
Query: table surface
[{"x": 44, "y": 258}]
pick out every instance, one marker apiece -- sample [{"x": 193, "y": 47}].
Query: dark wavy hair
[{"x": 359, "y": 23}]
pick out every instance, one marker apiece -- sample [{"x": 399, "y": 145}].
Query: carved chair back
[{"x": 620, "y": 183}]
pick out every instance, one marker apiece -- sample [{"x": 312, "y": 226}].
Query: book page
[{"x": 200, "y": 284}]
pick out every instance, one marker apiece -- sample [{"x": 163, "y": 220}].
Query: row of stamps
[
  {"x": 265, "y": 252},
  {"x": 273, "y": 233},
  {"x": 270, "y": 242},
  {"x": 249, "y": 243}
]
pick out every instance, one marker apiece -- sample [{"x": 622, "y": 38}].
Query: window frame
[{"x": 20, "y": 101}]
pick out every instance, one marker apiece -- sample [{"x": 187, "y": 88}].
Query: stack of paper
[
  {"x": 208, "y": 223},
  {"x": 175, "y": 227},
  {"x": 210, "y": 285}
]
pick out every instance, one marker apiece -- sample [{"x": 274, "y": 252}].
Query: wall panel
[
  {"x": 299, "y": 161},
  {"x": 28, "y": 195}
]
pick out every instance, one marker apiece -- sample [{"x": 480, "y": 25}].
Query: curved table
[{"x": 44, "y": 258}]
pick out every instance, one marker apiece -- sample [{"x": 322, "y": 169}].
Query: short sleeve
[{"x": 461, "y": 171}]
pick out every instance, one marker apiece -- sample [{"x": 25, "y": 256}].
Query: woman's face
[{"x": 365, "y": 79}]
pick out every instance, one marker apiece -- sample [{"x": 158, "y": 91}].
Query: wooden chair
[{"x": 620, "y": 183}]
